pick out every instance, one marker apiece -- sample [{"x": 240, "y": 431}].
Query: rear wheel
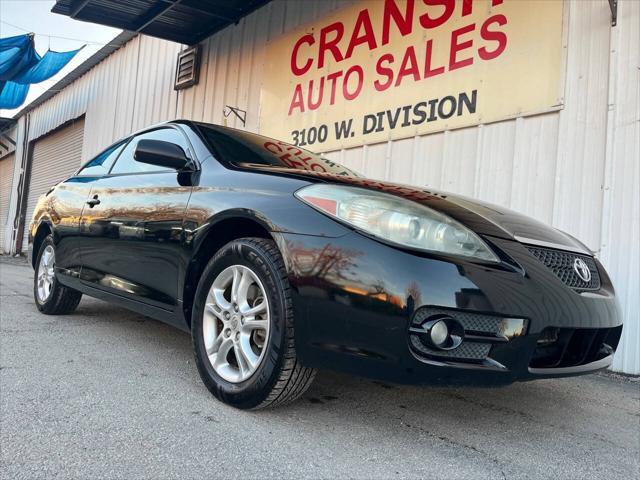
[
  {"x": 52, "y": 298},
  {"x": 242, "y": 328}
]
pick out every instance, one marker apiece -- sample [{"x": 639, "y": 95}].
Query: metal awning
[{"x": 182, "y": 21}]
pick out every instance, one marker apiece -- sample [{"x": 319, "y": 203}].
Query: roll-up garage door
[
  {"x": 55, "y": 157},
  {"x": 6, "y": 179}
]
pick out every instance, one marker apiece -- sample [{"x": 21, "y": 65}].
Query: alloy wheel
[
  {"x": 236, "y": 323},
  {"x": 46, "y": 273}
]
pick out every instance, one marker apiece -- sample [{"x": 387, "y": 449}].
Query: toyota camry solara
[{"x": 279, "y": 262}]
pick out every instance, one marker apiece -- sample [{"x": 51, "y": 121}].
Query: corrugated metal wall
[
  {"x": 7, "y": 232},
  {"x": 620, "y": 241},
  {"x": 576, "y": 169},
  {"x": 6, "y": 180}
]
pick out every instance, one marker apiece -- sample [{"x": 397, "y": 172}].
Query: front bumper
[{"x": 355, "y": 299}]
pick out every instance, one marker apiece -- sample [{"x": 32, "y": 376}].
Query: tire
[
  {"x": 56, "y": 299},
  {"x": 278, "y": 377}
]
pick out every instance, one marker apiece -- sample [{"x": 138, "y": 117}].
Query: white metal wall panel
[
  {"x": 124, "y": 94},
  {"x": 55, "y": 157},
  {"x": 68, "y": 104},
  {"x": 154, "y": 96},
  {"x": 620, "y": 249},
  {"x": 104, "y": 111},
  {"x": 534, "y": 166},
  {"x": 6, "y": 180},
  {"x": 581, "y": 151}
]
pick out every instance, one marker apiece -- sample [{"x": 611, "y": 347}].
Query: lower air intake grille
[
  {"x": 569, "y": 347},
  {"x": 466, "y": 351},
  {"x": 562, "y": 265},
  {"x": 473, "y": 323}
]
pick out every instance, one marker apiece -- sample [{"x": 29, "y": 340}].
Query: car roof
[{"x": 180, "y": 121}]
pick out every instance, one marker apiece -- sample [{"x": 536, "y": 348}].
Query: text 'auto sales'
[{"x": 416, "y": 63}]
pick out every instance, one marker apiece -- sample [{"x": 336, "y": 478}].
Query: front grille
[
  {"x": 574, "y": 346},
  {"x": 561, "y": 264}
]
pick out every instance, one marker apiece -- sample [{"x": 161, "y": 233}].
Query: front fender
[
  {"x": 268, "y": 200},
  {"x": 41, "y": 216}
]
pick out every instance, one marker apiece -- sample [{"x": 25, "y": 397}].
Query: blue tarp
[{"x": 20, "y": 66}]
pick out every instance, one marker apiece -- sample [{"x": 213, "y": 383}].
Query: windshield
[{"x": 248, "y": 150}]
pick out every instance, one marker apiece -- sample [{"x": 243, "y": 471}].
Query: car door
[
  {"x": 65, "y": 204},
  {"x": 132, "y": 226}
]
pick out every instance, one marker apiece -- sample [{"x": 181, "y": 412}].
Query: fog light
[
  {"x": 439, "y": 333},
  {"x": 443, "y": 332}
]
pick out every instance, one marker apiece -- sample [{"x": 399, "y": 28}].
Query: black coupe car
[{"x": 279, "y": 261}]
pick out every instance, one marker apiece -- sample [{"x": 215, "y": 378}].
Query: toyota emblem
[{"x": 582, "y": 269}]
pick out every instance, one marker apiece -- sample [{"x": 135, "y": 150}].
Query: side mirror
[{"x": 162, "y": 154}]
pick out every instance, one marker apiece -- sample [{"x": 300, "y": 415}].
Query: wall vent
[{"x": 187, "y": 68}]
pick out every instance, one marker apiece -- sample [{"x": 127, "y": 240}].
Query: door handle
[{"x": 93, "y": 202}]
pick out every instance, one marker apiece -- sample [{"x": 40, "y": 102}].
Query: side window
[
  {"x": 127, "y": 164},
  {"x": 100, "y": 164}
]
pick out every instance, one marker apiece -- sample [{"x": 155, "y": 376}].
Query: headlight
[{"x": 396, "y": 219}]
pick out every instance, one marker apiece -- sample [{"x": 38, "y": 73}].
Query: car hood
[
  {"x": 517, "y": 226},
  {"x": 481, "y": 217}
]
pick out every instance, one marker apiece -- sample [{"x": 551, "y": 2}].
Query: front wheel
[
  {"x": 52, "y": 298},
  {"x": 242, "y": 328}
]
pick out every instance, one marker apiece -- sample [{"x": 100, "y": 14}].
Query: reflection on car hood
[
  {"x": 520, "y": 227},
  {"x": 481, "y": 217}
]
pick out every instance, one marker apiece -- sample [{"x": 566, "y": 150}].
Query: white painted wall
[{"x": 576, "y": 169}]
